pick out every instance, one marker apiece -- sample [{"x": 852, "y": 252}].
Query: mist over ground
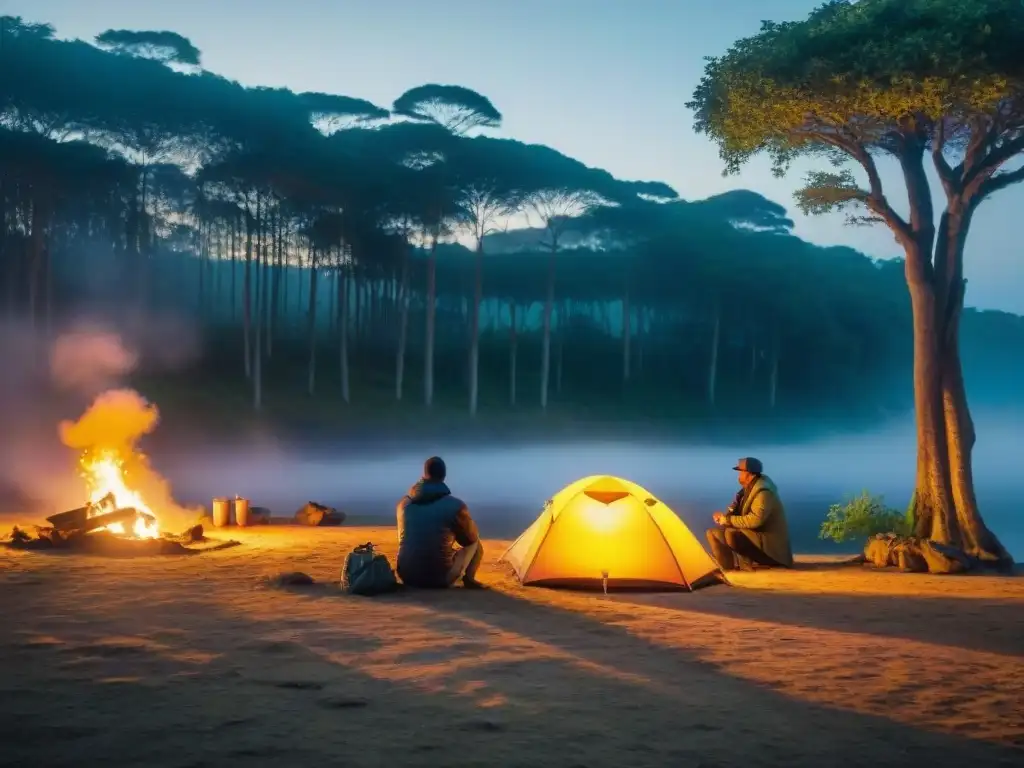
[
  {"x": 506, "y": 486},
  {"x": 505, "y": 483}
]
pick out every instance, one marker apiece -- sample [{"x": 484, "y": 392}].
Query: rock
[
  {"x": 909, "y": 561},
  {"x": 943, "y": 559},
  {"x": 313, "y": 513},
  {"x": 483, "y": 724},
  {"x": 914, "y": 555},
  {"x": 876, "y": 551},
  {"x": 344, "y": 702},
  {"x": 292, "y": 579}
]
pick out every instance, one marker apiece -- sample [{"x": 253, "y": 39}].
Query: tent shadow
[
  {"x": 672, "y": 674},
  {"x": 993, "y": 625},
  {"x": 310, "y": 675}
]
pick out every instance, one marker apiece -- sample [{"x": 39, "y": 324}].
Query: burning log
[
  {"x": 90, "y": 518},
  {"x": 101, "y": 541},
  {"x": 122, "y": 516},
  {"x": 75, "y": 519}
]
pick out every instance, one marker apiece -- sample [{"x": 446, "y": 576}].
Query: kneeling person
[
  {"x": 430, "y": 522},
  {"x": 753, "y": 528}
]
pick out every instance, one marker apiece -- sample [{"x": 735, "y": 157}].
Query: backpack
[{"x": 367, "y": 572}]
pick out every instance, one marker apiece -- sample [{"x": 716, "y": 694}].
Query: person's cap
[
  {"x": 434, "y": 468},
  {"x": 749, "y": 464}
]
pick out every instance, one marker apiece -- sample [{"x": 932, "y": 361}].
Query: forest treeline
[{"x": 363, "y": 253}]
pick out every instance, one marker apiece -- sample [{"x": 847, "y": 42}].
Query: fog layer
[{"x": 506, "y": 486}]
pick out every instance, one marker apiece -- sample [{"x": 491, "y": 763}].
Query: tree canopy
[
  {"x": 944, "y": 74},
  {"x": 288, "y": 224}
]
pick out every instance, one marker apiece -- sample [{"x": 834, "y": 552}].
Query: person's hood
[{"x": 427, "y": 491}]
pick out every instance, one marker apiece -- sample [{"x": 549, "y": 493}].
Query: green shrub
[{"x": 862, "y": 517}]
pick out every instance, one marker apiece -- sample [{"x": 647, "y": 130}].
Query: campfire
[
  {"x": 121, "y": 488},
  {"x": 113, "y": 506},
  {"x": 104, "y": 477}
]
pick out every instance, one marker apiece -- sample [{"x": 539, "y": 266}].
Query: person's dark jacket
[{"x": 430, "y": 522}]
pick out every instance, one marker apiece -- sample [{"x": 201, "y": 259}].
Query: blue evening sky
[{"x": 605, "y": 81}]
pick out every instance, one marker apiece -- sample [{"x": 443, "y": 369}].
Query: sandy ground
[{"x": 196, "y": 661}]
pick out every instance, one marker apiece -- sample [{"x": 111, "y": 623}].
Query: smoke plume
[
  {"x": 115, "y": 422},
  {"x": 43, "y": 381},
  {"x": 90, "y": 358}
]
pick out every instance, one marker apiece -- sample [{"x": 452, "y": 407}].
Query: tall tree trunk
[
  {"x": 773, "y": 382},
  {"x": 145, "y": 240},
  {"x": 286, "y": 279},
  {"x": 512, "y": 353},
  {"x": 204, "y": 258},
  {"x": 275, "y": 288},
  {"x": 332, "y": 302},
  {"x": 933, "y": 496},
  {"x": 234, "y": 270},
  {"x": 216, "y": 276},
  {"x": 474, "y": 330},
  {"x": 343, "y": 322},
  {"x": 559, "y": 360},
  {"x": 48, "y": 254},
  {"x": 359, "y": 281},
  {"x": 403, "y": 326},
  {"x": 976, "y": 539},
  {"x": 37, "y": 243},
  {"x": 9, "y": 256},
  {"x": 549, "y": 306},
  {"x": 247, "y": 296},
  {"x": 311, "y": 321},
  {"x": 716, "y": 334},
  {"x": 641, "y": 340},
  {"x": 431, "y": 301},
  {"x": 627, "y": 333},
  {"x": 257, "y": 347}
]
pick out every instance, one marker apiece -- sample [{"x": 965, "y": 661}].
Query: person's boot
[{"x": 468, "y": 582}]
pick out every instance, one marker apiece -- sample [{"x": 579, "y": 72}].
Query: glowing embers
[{"x": 103, "y": 473}]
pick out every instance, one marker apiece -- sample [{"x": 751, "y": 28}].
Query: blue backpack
[{"x": 367, "y": 572}]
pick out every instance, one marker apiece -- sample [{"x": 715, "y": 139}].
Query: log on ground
[{"x": 911, "y": 554}]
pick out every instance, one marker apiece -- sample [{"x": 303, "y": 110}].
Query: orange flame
[{"x": 103, "y": 473}]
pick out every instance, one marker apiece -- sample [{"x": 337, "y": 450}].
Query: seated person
[
  {"x": 430, "y": 522},
  {"x": 753, "y": 529}
]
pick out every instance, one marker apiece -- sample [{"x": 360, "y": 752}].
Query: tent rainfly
[{"x": 610, "y": 531}]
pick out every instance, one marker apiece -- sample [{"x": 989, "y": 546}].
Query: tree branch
[
  {"x": 875, "y": 198},
  {"x": 947, "y": 176},
  {"x": 975, "y": 168},
  {"x": 999, "y": 181}
]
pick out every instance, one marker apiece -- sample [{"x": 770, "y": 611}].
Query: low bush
[{"x": 862, "y": 517}]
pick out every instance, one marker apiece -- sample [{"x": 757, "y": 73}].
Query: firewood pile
[
  {"x": 97, "y": 516},
  {"x": 915, "y": 555},
  {"x": 88, "y": 530}
]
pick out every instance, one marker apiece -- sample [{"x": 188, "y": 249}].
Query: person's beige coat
[{"x": 764, "y": 517}]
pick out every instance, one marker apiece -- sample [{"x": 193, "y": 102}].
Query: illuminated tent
[{"x": 605, "y": 528}]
